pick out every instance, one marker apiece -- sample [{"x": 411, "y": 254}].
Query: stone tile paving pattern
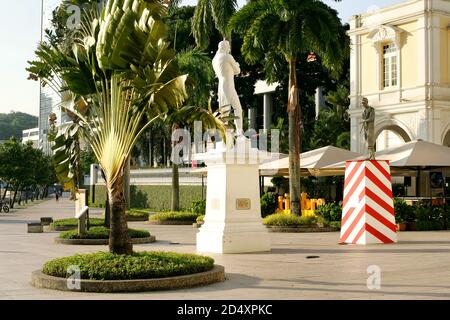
[{"x": 418, "y": 267}]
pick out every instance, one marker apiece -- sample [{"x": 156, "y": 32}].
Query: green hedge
[
  {"x": 287, "y": 220},
  {"x": 73, "y": 222},
  {"x": 100, "y": 233},
  {"x": 158, "y": 198},
  {"x": 428, "y": 226},
  {"x": 175, "y": 216},
  {"x": 138, "y": 213},
  {"x": 139, "y": 265}
]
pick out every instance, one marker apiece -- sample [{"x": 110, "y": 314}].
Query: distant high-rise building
[{"x": 49, "y": 100}]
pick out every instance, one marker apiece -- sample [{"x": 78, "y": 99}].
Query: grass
[
  {"x": 159, "y": 198},
  {"x": 100, "y": 233},
  {"x": 73, "y": 222},
  {"x": 139, "y": 265},
  {"x": 175, "y": 216},
  {"x": 287, "y": 220}
]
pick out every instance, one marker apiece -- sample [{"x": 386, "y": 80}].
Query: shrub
[
  {"x": 287, "y": 220},
  {"x": 330, "y": 212},
  {"x": 335, "y": 224},
  {"x": 200, "y": 219},
  {"x": 268, "y": 204},
  {"x": 73, "y": 222},
  {"x": 404, "y": 213},
  {"x": 428, "y": 225},
  {"x": 100, "y": 233},
  {"x": 137, "y": 213},
  {"x": 175, "y": 216},
  {"x": 139, "y": 265},
  {"x": 199, "y": 207}
]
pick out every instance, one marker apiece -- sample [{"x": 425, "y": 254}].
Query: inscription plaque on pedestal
[{"x": 243, "y": 204}]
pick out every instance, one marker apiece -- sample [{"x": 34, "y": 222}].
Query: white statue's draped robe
[{"x": 226, "y": 68}]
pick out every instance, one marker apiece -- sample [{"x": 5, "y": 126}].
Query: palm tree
[
  {"x": 287, "y": 28},
  {"x": 209, "y": 13},
  {"x": 124, "y": 68}
]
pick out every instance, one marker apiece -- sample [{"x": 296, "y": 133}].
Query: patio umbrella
[
  {"x": 404, "y": 159},
  {"x": 310, "y": 161}
]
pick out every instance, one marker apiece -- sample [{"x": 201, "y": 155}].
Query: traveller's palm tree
[
  {"x": 122, "y": 66},
  {"x": 288, "y": 28}
]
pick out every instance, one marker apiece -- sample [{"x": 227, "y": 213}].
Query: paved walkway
[{"x": 418, "y": 267}]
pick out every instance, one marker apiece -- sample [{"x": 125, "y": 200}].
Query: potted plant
[{"x": 404, "y": 215}]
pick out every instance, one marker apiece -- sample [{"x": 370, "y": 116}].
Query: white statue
[{"x": 226, "y": 68}]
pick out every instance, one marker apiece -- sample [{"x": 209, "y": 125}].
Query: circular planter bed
[
  {"x": 136, "y": 219},
  {"x": 281, "y": 222},
  {"x": 72, "y": 223},
  {"x": 294, "y": 229},
  {"x": 169, "y": 222},
  {"x": 100, "y": 236},
  {"x": 101, "y": 242},
  {"x": 141, "y": 271},
  {"x": 135, "y": 215},
  {"x": 173, "y": 218},
  {"x": 198, "y": 224}
]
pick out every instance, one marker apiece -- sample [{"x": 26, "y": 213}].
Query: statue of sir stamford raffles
[{"x": 226, "y": 68}]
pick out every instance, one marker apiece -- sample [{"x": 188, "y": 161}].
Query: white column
[
  {"x": 267, "y": 111},
  {"x": 252, "y": 118}
]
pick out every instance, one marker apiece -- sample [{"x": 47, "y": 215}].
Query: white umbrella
[
  {"x": 310, "y": 161},
  {"x": 404, "y": 159}
]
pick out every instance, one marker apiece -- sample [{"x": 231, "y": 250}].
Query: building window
[{"x": 390, "y": 65}]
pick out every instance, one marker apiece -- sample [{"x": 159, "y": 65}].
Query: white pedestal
[
  {"x": 233, "y": 222},
  {"x": 368, "y": 208}
]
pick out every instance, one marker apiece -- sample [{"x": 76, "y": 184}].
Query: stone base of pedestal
[
  {"x": 233, "y": 239},
  {"x": 368, "y": 209}
]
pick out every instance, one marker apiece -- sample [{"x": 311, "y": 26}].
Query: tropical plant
[
  {"x": 209, "y": 13},
  {"x": 124, "y": 68},
  {"x": 268, "y": 204},
  {"x": 288, "y": 28}
]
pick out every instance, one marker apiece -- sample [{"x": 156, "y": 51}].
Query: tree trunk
[
  {"x": 126, "y": 190},
  {"x": 119, "y": 240},
  {"x": 294, "y": 115},
  {"x": 79, "y": 168},
  {"x": 6, "y": 190},
  {"x": 14, "y": 198},
  {"x": 107, "y": 207},
  {"x": 175, "y": 172},
  {"x": 175, "y": 188}
]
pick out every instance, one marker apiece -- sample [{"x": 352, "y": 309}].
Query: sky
[{"x": 20, "y": 34}]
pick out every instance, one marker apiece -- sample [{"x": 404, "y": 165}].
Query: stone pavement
[{"x": 418, "y": 267}]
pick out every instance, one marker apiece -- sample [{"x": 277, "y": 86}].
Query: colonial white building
[{"x": 400, "y": 61}]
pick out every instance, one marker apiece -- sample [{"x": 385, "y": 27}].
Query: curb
[
  {"x": 170, "y": 223},
  {"x": 217, "y": 274},
  {"x": 100, "y": 242},
  {"x": 300, "y": 229}
]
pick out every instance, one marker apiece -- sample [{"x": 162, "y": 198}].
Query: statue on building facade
[
  {"x": 368, "y": 124},
  {"x": 226, "y": 68}
]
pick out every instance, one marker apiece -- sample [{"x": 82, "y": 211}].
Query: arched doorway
[
  {"x": 391, "y": 136},
  {"x": 446, "y": 141}
]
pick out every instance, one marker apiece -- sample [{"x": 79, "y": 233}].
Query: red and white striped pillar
[{"x": 368, "y": 208}]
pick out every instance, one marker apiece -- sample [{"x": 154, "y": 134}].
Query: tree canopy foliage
[{"x": 12, "y": 124}]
